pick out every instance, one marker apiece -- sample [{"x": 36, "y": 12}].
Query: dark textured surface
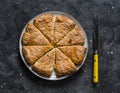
[{"x": 16, "y": 78}]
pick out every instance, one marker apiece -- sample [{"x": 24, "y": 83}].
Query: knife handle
[{"x": 95, "y": 69}]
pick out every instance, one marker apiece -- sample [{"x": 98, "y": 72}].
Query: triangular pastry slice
[
  {"x": 45, "y": 64},
  {"x": 45, "y": 24},
  {"x": 33, "y": 36},
  {"x": 63, "y": 65},
  {"x": 75, "y": 37},
  {"x": 75, "y": 53},
  {"x": 32, "y": 53},
  {"x": 62, "y": 26}
]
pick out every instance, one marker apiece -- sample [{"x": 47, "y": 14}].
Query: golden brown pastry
[
  {"x": 75, "y": 53},
  {"x": 63, "y": 65},
  {"x": 45, "y": 64},
  {"x": 52, "y": 42},
  {"x": 46, "y": 25},
  {"x": 62, "y": 26},
  {"x": 74, "y": 37},
  {"x": 33, "y": 36},
  {"x": 32, "y": 53}
]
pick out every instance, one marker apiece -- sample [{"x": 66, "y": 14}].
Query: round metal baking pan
[{"x": 53, "y": 76}]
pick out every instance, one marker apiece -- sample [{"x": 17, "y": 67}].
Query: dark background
[{"x": 16, "y": 78}]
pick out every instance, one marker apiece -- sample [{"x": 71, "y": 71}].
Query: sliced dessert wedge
[
  {"x": 75, "y": 53},
  {"x": 45, "y": 24},
  {"x": 74, "y": 37},
  {"x": 32, "y": 53},
  {"x": 45, "y": 64},
  {"x": 63, "y": 65},
  {"x": 62, "y": 26},
  {"x": 33, "y": 36}
]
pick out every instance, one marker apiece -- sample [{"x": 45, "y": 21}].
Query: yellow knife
[{"x": 95, "y": 48}]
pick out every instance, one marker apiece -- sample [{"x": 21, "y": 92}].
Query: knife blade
[
  {"x": 95, "y": 49},
  {"x": 95, "y": 34}
]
